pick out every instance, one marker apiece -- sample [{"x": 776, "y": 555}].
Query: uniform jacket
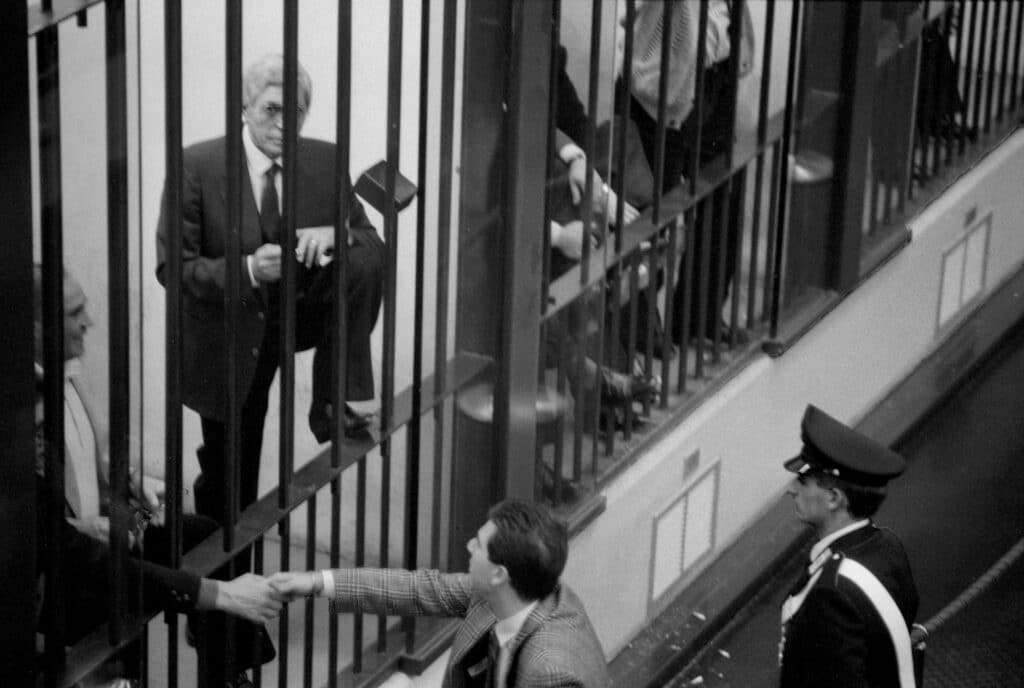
[
  {"x": 204, "y": 243},
  {"x": 836, "y": 637},
  {"x": 556, "y": 647}
]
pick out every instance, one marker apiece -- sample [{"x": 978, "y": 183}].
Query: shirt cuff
[
  {"x": 328, "y": 590},
  {"x": 252, "y": 277},
  {"x": 207, "y": 597},
  {"x": 570, "y": 152}
]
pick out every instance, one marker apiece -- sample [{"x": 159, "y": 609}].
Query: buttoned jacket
[
  {"x": 555, "y": 648},
  {"x": 836, "y": 637},
  {"x": 204, "y": 273}
]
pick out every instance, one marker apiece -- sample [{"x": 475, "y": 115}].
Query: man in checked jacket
[{"x": 520, "y": 627}]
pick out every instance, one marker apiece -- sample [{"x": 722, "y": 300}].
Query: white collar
[
  {"x": 257, "y": 160},
  {"x": 509, "y": 627},
  {"x": 72, "y": 368},
  {"x": 822, "y": 545}
]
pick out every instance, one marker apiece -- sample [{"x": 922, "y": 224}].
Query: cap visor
[{"x": 796, "y": 464}]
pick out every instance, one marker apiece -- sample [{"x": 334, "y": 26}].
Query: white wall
[{"x": 846, "y": 365}]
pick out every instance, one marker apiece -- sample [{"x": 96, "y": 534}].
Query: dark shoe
[
  {"x": 568, "y": 490},
  {"x": 735, "y": 337},
  {"x": 240, "y": 681},
  {"x": 617, "y": 389},
  {"x": 356, "y": 424}
]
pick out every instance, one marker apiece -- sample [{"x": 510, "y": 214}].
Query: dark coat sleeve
[
  {"x": 570, "y": 113},
  {"x": 203, "y": 275}
]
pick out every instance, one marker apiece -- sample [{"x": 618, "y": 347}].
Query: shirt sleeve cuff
[
  {"x": 207, "y": 597},
  {"x": 328, "y": 590},
  {"x": 252, "y": 277}
]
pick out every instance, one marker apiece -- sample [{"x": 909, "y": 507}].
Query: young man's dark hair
[{"x": 531, "y": 544}]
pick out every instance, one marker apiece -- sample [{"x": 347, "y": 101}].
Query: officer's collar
[{"x": 821, "y": 546}]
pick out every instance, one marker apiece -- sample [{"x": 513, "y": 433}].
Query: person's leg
[
  {"x": 364, "y": 291},
  {"x": 220, "y": 660}
]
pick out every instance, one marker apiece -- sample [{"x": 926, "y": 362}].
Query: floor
[{"x": 959, "y": 510}]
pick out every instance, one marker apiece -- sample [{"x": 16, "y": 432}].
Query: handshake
[{"x": 260, "y": 599}]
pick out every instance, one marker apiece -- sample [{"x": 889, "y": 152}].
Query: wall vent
[
  {"x": 683, "y": 533},
  {"x": 964, "y": 268}
]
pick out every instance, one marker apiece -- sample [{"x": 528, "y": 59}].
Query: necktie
[{"x": 270, "y": 214}]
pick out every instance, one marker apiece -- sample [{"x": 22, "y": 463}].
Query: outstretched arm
[{"x": 384, "y": 591}]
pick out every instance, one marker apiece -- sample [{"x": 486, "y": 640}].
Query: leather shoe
[
  {"x": 356, "y": 424},
  {"x": 617, "y": 388}
]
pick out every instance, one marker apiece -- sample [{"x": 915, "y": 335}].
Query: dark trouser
[
  {"x": 722, "y": 239},
  {"x": 314, "y": 326}
]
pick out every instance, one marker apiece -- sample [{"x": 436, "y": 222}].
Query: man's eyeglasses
[{"x": 271, "y": 111}]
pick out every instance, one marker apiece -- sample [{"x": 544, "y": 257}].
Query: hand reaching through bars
[
  {"x": 292, "y": 585},
  {"x": 250, "y": 597}
]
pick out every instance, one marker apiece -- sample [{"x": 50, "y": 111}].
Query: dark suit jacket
[
  {"x": 556, "y": 647},
  {"x": 837, "y": 638},
  {"x": 204, "y": 237}
]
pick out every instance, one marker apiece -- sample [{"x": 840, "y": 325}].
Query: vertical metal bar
[
  {"x": 232, "y": 296},
  {"x": 706, "y": 226},
  {"x": 51, "y": 195},
  {"x": 117, "y": 295},
  {"x": 1001, "y": 100},
  {"x": 19, "y": 501},
  {"x": 1015, "y": 78},
  {"x": 938, "y": 86},
  {"x": 969, "y": 115},
  {"x": 622, "y": 124},
  {"x": 762, "y": 135},
  {"x": 288, "y": 316},
  {"x": 979, "y": 120},
  {"x": 775, "y": 173},
  {"x": 390, "y": 285},
  {"x": 360, "y": 559},
  {"x": 698, "y": 96},
  {"x": 991, "y": 63},
  {"x": 659, "y": 140},
  {"x": 554, "y": 74},
  {"x": 444, "y": 219},
  {"x": 343, "y": 189},
  {"x": 335, "y": 562},
  {"x": 686, "y": 277},
  {"x": 284, "y": 531},
  {"x": 785, "y": 170},
  {"x": 670, "y": 274},
  {"x": 307, "y": 654},
  {"x": 257, "y": 639},
  {"x": 722, "y": 232},
  {"x": 233, "y": 254},
  {"x": 172, "y": 311},
  {"x": 412, "y": 453},
  {"x": 289, "y": 267},
  {"x": 736, "y": 215},
  {"x": 956, "y": 57},
  {"x": 593, "y": 86}
]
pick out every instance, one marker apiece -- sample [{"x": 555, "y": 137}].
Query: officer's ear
[{"x": 837, "y": 498}]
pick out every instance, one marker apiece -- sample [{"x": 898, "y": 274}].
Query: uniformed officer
[{"x": 846, "y": 621}]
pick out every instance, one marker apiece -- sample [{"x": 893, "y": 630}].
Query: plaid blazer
[{"x": 555, "y": 648}]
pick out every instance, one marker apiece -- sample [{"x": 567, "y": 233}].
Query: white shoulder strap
[{"x": 890, "y": 613}]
